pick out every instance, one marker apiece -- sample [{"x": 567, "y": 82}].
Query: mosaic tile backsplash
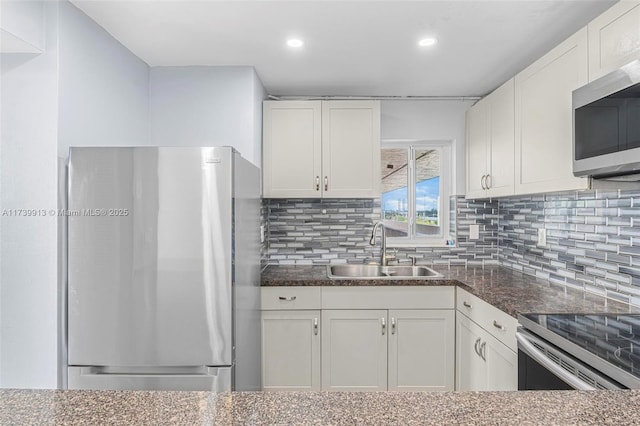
[
  {"x": 593, "y": 240},
  {"x": 593, "y": 237},
  {"x": 323, "y": 231}
]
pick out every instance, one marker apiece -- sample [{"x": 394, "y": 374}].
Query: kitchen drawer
[
  {"x": 388, "y": 297},
  {"x": 291, "y": 298},
  {"x": 499, "y": 324}
]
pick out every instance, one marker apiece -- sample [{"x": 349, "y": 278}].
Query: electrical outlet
[
  {"x": 542, "y": 237},
  {"x": 474, "y": 232}
]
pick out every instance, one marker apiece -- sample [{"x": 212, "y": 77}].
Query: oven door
[{"x": 542, "y": 366}]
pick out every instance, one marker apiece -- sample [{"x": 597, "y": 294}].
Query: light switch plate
[{"x": 474, "y": 232}]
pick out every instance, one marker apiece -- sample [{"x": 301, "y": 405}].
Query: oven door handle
[{"x": 525, "y": 346}]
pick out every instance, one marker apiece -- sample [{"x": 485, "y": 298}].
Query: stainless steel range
[{"x": 579, "y": 351}]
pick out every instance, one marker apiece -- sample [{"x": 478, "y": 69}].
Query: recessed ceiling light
[
  {"x": 295, "y": 42},
  {"x": 425, "y": 42}
]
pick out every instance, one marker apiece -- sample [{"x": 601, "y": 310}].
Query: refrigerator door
[
  {"x": 211, "y": 379},
  {"x": 150, "y": 257}
]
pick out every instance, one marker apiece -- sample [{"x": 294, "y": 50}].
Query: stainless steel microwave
[{"x": 606, "y": 125}]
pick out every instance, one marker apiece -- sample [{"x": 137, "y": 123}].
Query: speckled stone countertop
[
  {"x": 44, "y": 407},
  {"x": 510, "y": 291}
]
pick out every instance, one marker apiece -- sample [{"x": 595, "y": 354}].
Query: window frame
[{"x": 446, "y": 176}]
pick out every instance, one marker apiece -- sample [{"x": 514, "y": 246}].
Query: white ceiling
[{"x": 352, "y": 48}]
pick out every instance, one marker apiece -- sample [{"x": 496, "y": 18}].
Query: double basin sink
[{"x": 376, "y": 272}]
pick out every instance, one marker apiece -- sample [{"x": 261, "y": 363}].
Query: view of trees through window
[{"x": 420, "y": 201}]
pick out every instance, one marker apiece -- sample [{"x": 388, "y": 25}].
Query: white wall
[
  {"x": 429, "y": 120},
  {"x": 206, "y": 106},
  {"x": 22, "y": 26},
  {"x": 104, "y": 88},
  {"x": 28, "y": 283},
  {"x": 85, "y": 89}
]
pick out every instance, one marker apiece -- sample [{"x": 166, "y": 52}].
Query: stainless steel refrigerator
[{"x": 163, "y": 269}]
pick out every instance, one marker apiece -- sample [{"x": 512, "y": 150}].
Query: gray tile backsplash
[
  {"x": 592, "y": 240},
  {"x": 593, "y": 237},
  {"x": 322, "y": 231}
]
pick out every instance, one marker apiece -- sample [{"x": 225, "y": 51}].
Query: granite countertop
[
  {"x": 48, "y": 407},
  {"x": 510, "y": 291}
]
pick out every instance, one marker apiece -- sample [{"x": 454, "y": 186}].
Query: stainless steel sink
[{"x": 375, "y": 272}]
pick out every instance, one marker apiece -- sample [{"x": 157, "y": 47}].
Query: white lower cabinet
[
  {"x": 421, "y": 350},
  {"x": 396, "y": 350},
  {"x": 482, "y": 361},
  {"x": 291, "y": 350},
  {"x": 401, "y": 338},
  {"x": 354, "y": 350}
]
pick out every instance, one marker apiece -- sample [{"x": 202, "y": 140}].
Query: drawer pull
[
  {"x": 497, "y": 325},
  {"x": 475, "y": 346},
  {"x": 483, "y": 352},
  {"x": 315, "y": 326},
  {"x": 384, "y": 325},
  {"x": 393, "y": 325},
  {"x": 287, "y": 298},
  {"x": 467, "y": 304}
]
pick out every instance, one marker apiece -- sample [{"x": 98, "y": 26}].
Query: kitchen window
[{"x": 415, "y": 192}]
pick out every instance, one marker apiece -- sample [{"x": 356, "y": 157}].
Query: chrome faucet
[{"x": 372, "y": 241}]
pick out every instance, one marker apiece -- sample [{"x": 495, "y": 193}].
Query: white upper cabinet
[
  {"x": 614, "y": 38},
  {"x": 292, "y": 149},
  {"x": 490, "y": 144},
  {"x": 543, "y": 118},
  {"x": 315, "y": 149}
]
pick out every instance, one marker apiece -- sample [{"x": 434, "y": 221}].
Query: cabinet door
[
  {"x": 292, "y": 149},
  {"x": 477, "y": 149},
  {"x": 501, "y": 365},
  {"x": 290, "y": 350},
  {"x": 614, "y": 38},
  {"x": 543, "y": 121},
  {"x": 500, "y": 170},
  {"x": 421, "y": 350},
  {"x": 351, "y": 149},
  {"x": 470, "y": 367},
  {"x": 354, "y": 350}
]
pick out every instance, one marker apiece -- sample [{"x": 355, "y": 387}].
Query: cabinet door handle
[
  {"x": 475, "y": 346},
  {"x": 326, "y": 183},
  {"x": 482, "y": 181},
  {"x": 315, "y": 326},
  {"x": 467, "y": 304},
  {"x": 393, "y": 325},
  {"x": 488, "y": 181},
  {"x": 384, "y": 325},
  {"x": 496, "y": 324},
  {"x": 483, "y": 353},
  {"x": 317, "y": 183},
  {"x": 287, "y": 298}
]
